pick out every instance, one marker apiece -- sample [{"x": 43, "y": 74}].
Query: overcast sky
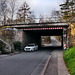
[{"x": 42, "y": 6}]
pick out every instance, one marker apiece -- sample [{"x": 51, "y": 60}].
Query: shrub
[{"x": 17, "y": 45}]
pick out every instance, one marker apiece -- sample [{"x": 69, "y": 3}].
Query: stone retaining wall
[{"x": 10, "y": 36}]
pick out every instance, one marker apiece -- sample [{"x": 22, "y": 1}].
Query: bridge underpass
[
  {"x": 33, "y": 32},
  {"x": 34, "y": 36}
]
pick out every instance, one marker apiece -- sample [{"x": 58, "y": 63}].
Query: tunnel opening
[
  {"x": 51, "y": 41},
  {"x": 35, "y": 36}
]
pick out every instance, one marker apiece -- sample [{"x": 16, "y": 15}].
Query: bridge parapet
[{"x": 36, "y": 25}]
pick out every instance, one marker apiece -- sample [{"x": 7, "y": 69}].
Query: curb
[
  {"x": 14, "y": 53},
  {"x": 7, "y": 55},
  {"x": 46, "y": 65}
]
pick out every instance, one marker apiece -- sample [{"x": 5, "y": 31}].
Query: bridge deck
[{"x": 36, "y": 25}]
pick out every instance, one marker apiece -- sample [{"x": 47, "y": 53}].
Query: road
[
  {"x": 26, "y": 63},
  {"x": 53, "y": 43}
]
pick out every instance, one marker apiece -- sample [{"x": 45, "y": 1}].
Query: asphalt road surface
[
  {"x": 26, "y": 63},
  {"x": 53, "y": 43}
]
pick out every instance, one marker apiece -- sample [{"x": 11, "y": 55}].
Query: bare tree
[
  {"x": 12, "y": 5},
  {"x": 56, "y": 15},
  {"x": 3, "y": 10},
  {"x": 48, "y": 18},
  {"x": 32, "y": 17},
  {"x": 23, "y": 12}
]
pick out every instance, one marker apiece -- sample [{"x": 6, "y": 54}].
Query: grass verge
[{"x": 69, "y": 58}]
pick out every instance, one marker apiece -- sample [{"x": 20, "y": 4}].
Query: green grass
[
  {"x": 0, "y": 26},
  {"x": 69, "y": 58}
]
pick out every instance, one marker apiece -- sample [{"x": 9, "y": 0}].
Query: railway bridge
[{"x": 32, "y": 32}]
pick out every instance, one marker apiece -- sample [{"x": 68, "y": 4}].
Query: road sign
[{"x": 40, "y": 21}]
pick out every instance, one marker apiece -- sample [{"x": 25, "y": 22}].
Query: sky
[{"x": 42, "y": 7}]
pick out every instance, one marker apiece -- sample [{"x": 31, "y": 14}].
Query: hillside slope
[{"x": 69, "y": 58}]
